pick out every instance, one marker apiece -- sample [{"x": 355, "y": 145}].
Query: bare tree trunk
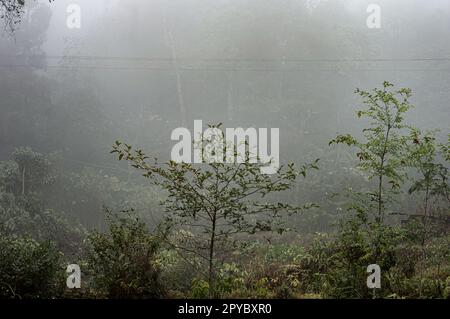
[
  {"x": 424, "y": 238},
  {"x": 230, "y": 105},
  {"x": 23, "y": 181},
  {"x": 380, "y": 180},
  {"x": 211, "y": 275},
  {"x": 380, "y": 217},
  {"x": 171, "y": 43}
]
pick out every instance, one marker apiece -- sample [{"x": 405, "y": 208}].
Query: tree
[
  {"x": 24, "y": 210},
  {"x": 34, "y": 170},
  {"x": 381, "y": 155},
  {"x": 433, "y": 175},
  {"x": 432, "y": 182},
  {"x": 215, "y": 203},
  {"x": 11, "y": 11}
]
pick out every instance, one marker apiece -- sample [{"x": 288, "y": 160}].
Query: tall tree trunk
[
  {"x": 230, "y": 106},
  {"x": 380, "y": 217},
  {"x": 23, "y": 181},
  {"x": 424, "y": 238},
  {"x": 380, "y": 178},
  {"x": 171, "y": 43},
  {"x": 211, "y": 273}
]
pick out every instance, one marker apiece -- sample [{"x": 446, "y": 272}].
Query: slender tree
[
  {"x": 213, "y": 205},
  {"x": 382, "y": 153}
]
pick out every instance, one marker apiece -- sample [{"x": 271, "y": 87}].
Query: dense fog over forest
[{"x": 83, "y": 84}]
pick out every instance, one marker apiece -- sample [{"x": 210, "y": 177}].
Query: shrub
[
  {"x": 123, "y": 261},
  {"x": 28, "y": 269},
  {"x": 199, "y": 289}
]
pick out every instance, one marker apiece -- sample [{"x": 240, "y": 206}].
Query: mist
[{"x": 76, "y": 79}]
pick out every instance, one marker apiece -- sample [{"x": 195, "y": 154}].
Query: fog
[
  {"x": 345, "y": 105},
  {"x": 135, "y": 70}
]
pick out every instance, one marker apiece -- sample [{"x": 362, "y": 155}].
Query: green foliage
[
  {"x": 381, "y": 156},
  {"x": 447, "y": 288},
  {"x": 28, "y": 269},
  {"x": 433, "y": 175},
  {"x": 26, "y": 217},
  {"x": 23, "y": 210},
  {"x": 230, "y": 278},
  {"x": 177, "y": 275},
  {"x": 215, "y": 203},
  {"x": 28, "y": 172},
  {"x": 283, "y": 253},
  {"x": 431, "y": 181},
  {"x": 364, "y": 237},
  {"x": 211, "y": 210},
  {"x": 200, "y": 289},
  {"x": 123, "y": 260}
]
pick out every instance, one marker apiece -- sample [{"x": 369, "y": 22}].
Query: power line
[
  {"x": 94, "y": 165},
  {"x": 242, "y": 69},
  {"x": 280, "y": 60},
  {"x": 233, "y": 61}
]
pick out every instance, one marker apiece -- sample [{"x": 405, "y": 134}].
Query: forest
[{"x": 339, "y": 188}]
